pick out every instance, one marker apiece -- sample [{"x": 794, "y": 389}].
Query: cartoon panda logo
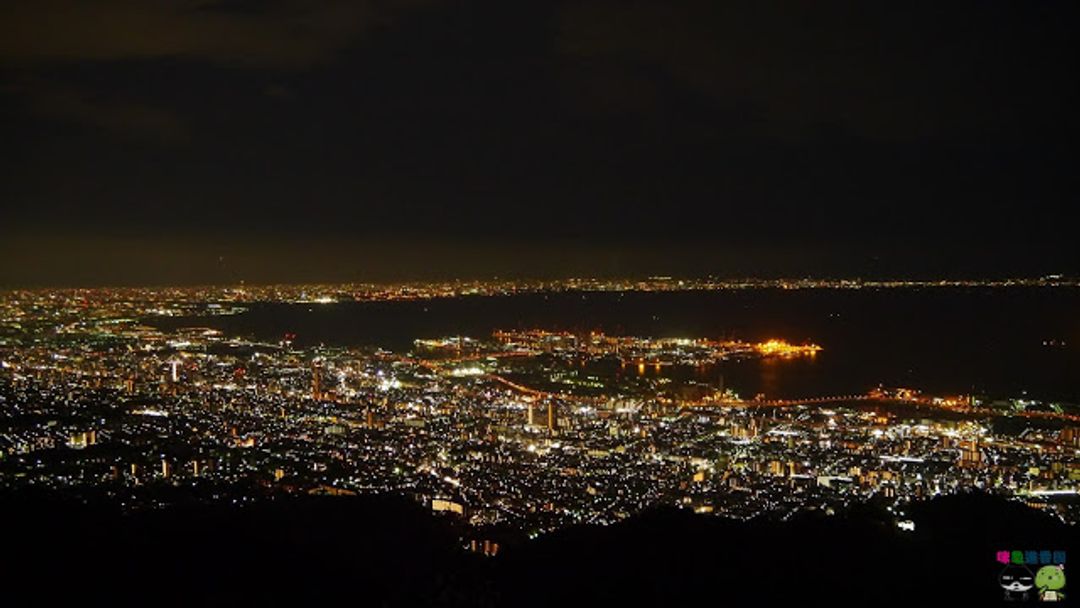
[{"x": 1017, "y": 582}]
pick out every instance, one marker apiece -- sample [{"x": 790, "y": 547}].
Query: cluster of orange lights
[{"x": 785, "y": 349}]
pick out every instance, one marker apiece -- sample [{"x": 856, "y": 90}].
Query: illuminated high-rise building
[
  {"x": 970, "y": 455},
  {"x": 551, "y": 417},
  {"x": 316, "y": 380},
  {"x": 1070, "y": 436}
]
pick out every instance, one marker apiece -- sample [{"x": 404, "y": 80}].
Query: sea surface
[{"x": 998, "y": 342}]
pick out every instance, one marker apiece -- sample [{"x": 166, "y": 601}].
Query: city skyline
[{"x": 132, "y": 393}]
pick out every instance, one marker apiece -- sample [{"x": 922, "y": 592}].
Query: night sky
[{"x": 215, "y": 141}]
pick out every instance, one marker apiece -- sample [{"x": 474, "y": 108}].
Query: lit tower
[
  {"x": 551, "y": 417},
  {"x": 316, "y": 380}
]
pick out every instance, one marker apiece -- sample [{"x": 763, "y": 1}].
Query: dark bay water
[{"x": 1001, "y": 342}]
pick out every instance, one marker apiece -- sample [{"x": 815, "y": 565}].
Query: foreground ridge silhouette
[{"x": 389, "y": 551}]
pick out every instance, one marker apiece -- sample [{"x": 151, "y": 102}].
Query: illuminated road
[
  {"x": 755, "y": 403},
  {"x": 544, "y": 394}
]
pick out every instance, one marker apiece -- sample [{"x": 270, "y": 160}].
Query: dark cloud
[
  {"x": 128, "y": 118},
  {"x": 281, "y": 33},
  {"x": 877, "y": 69},
  {"x": 691, "y": 134}
]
